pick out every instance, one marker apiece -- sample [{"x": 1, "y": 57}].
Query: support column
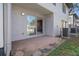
[
  {"x": 7, "y": 28},
  {"x": 1, "y": 30}
]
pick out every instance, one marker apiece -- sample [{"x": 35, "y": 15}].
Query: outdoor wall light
[
  {"x": 69, "y": 23},
  {"x": 22, "y": 14}
]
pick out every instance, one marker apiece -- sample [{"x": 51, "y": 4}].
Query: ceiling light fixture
[{"x": 22, "y": 14}]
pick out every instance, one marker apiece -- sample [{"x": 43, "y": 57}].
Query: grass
[{"x": 69, "y": 48}]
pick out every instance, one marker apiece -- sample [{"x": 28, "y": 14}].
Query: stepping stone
[
  {"x": 53, "y": 45},
  {"x": 28, "y": 53},
  {"x": 19, "y": 53},
  {"x": 49, "y": 48},
  {"x": 44, "y": 50},
  {"x": 37, "y": 53}
]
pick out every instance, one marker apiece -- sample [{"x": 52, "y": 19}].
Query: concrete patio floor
[{"x": 33, "y": 44}]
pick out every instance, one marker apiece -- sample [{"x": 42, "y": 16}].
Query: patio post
[{"x": 7, "y": 28}]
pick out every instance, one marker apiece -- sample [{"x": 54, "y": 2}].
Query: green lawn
[{"x": 68, "y": 48}]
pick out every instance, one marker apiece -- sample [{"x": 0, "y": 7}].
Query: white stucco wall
[
  {"x": 19, "y": 22},
  {"x": 58, "y": 15},
  {"x": 49, "y": 24},
  {"x": 1, "y": 25}
]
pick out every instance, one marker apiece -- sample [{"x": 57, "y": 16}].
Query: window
[
  {"x": 54, "y": 4},
  {"x": 64, "y": 8}
]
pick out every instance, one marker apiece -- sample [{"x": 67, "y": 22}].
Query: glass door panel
[{"x": 31, "y": 25}]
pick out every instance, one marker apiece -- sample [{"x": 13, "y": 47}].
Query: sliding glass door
[
  {"x": 31, "y": 25},
  {"x": 34, "y": 25}
]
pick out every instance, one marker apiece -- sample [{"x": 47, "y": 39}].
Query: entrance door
[{"x": 39, "y": 26}]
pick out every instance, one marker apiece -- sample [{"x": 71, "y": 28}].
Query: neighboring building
[{"x": 29, "y": 20}]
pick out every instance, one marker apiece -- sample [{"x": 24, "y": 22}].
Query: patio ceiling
[{"x": 34, "y": 7}]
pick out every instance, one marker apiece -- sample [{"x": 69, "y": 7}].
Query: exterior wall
[
  {"x": 57, "y": 14},
  {"x": 19, "y": 22},
  {"x": 49, "y": 24}
]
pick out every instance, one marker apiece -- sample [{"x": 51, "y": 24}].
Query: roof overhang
[{"x": 33, "y": 7}]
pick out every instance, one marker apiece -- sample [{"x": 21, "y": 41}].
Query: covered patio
[
  {"x": 31, "y": 29},
  {"x": 35, "y": 46}
]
